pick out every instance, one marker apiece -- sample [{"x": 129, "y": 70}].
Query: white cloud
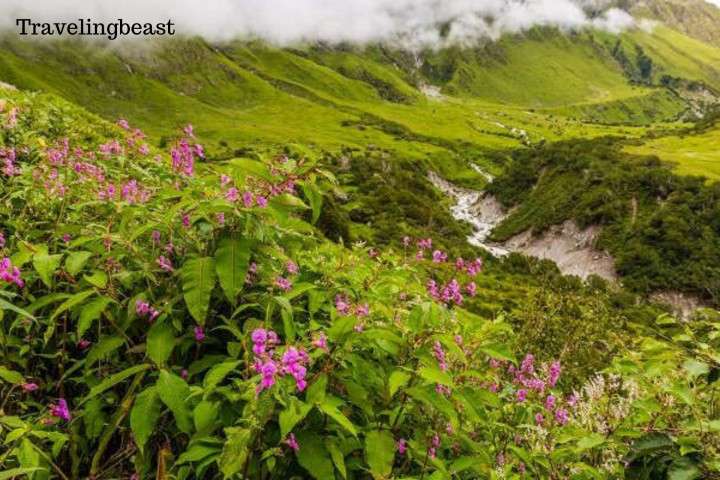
[{"x": 360, "y": 21}]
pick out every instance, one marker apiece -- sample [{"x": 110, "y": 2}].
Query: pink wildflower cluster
[
  {"x": 440, "y": 356},
  {"x": 10, "y": 120},
  {"x": 292, "y": 362},
  {"x": 184, "y": 154},
  {"x": 344, "y": 307},
  {"x": 9, "y": 273},
  {"x": 144, "y": 309},
  {"x": 283, "y": 283},
  {"x": 527, "y": 380},
  {"x": 8, "y": 156}
]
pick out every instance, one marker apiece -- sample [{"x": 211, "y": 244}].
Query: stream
[{"x": 483, "y": 213}]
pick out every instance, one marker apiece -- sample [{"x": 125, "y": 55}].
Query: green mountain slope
[{"x": 256, "y": 94}]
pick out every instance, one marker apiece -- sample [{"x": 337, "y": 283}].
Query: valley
[{"x": 447, "y": 240}]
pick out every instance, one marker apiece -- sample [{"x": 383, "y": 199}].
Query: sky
[{"x": 413, "y": 22}]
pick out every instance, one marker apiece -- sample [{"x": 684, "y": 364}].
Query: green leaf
[
  {"x": 46, "y": 265},
  {"x": 217, "y": 374},
  {"x": 317, "y": 389},
  {"x": 338, "y": 416},
  {"x": 591, "y": 441},
  {"x": 313, "y": 456},
  {"x": 98, "y": 278},
  {"x": 11, "y": 376},
  {"x": 397, "y": 380},
  {"x": 380, "y": 452},
  {"x": 315, "y": 199},
  {"x": 337, "y": 456},
  {"x": 499, "y": 351},
  {"x": 681, "y": 391},
  {"x": 160, "y": 343},
  {"x": 90, "y": 313},
  {"x": 17, "y": 472},
  {"x": 73, "y": 301},
  {"x": 174, "y": 393},
  {"x": 103, "y": 348},
  {"x": 292, "y": 415},
  {"x": 205, "y": 415},
  {"x": 115, "y": 379},
  {"x": 76, "y": 261},
  {"x": 5, "y": 305},
  {"x": 197, "y": 452},
  {"x": 235, "y": 451},
  {"x": 144, "y": 415},
  {"x": 232, "y": 260},
  {"x": 198, "y": 279},
  {"x": 651, "y": 443},
  {"x": 683, "y": 468},
  {"x": 435, "y": 375},
  {"x": 695, "y": 368}
]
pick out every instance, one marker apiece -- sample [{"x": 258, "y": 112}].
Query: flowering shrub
[{"x": 165, "y": 317}]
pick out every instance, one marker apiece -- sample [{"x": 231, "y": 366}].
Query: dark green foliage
[{"x": 662, "y": 228}]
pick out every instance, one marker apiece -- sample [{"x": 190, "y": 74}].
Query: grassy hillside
[
  {"x": 690, "y": 154},
  {"x": 256, "y": 95}
]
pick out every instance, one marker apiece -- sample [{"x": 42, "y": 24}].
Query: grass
[
  {"x": 692, "y": 154},
  {"x": 540, "y": 87}
]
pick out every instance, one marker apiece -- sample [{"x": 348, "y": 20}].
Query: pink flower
[
  {"x": 459, "y": 339},
  {"x": 572, "y": 400},
  {"x": 261, "y": 201},
  {"x": 9, "y": 273},
  {"x": 292, "y": 361},
  {"x": 471, "y": 289},
  {"x": 539, "y": 418},
  {"x": 30, "y": 387},
  {"x": 292, "y": 443},
  {"x": 342, "y": 305},
  {"x": 61, "y": 410},
  {"x": 521, "y": 395},
  {"x": 83, "y": 344},
  {"x": 440, "y": 356},
  {"x": 124, "y": 124},
  {"x": 439, "y": 257},
  {"x": 362, "y": 310},
  {"x": 221, "y": 218},
  {"x": 156, "y": 237},
  {"x": 561, "y": 416},
  {"x": 425, "y": 244},
  {"x": 320, "y": 342},
  {"x": 406, "y": 241},
  {"x": 184, "y": 373},
  {"x": 291, "y": 267},
  {"x": 283, "y": 283},
  {"x": 199, "y": 333},
  {"x": 186, "y": 221},
  {"x": 165, "y": 263},
  {"x": 247, "y": 199},
  {"x": 402, "y": 446},
  {"x": 554, "y": 374},
  {"x": 189, "y": 131},
  {"x": 144, "y": 308},
  {"x": 550, "y": 402}
]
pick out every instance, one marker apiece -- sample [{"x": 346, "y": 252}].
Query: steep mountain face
[{"x": 698, "y": 19}]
